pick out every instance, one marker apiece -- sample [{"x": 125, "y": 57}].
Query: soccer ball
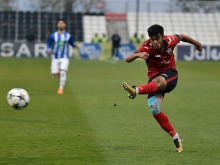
[{"x": 18, "y": 98}]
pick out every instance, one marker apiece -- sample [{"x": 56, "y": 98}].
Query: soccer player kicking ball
[
  {"x": 157, "y": 52},
  {"x": 60, "y": 54}
]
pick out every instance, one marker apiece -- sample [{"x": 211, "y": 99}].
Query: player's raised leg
[{"x": 149, "y": 88}]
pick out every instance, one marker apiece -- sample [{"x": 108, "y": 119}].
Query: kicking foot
[{"x": 131, "y": 90}]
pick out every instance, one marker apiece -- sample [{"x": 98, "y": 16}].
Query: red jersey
[{"x": 160, "y": 60}]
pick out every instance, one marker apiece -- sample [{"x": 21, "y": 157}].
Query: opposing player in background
[
  {"x": 60, "y": 54},
  {"x": 157, "y": 52}
]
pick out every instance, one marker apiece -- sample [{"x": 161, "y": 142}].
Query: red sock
[
  {"x": 147, "y": 88},
  {"x": 164, "y": 122}
]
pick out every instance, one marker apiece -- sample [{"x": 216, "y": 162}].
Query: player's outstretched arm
[
  {"x": 133, "y": 56},
  {"x": 72, "y": 43},
  {"x": 49, "y": 42},
  {"x": 190, "y": 40}
]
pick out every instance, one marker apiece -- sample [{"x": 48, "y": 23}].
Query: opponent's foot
[
  {"x": 60, "y": 91},
  {"x": 178, "y": 144},
  {"x": 131, "y": 90}
]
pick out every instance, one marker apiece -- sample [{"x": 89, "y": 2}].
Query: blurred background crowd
[{"x": 97, "y": 20}]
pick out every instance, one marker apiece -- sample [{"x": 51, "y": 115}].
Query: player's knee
[
  {"x": 62, "y": 73},
  {"x": 161, "y": 82},
  {"x": 55, "y": 75},
  {"x": 154, "y": 105}
]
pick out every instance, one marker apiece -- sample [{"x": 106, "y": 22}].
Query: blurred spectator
[
  {"x": 134, "y": 39},
  {"x": 116, "y": 40},
  {"x": 30, "y": 36},
  {"x": 142, "y": 38},
  {"x": 96, "y": 38},
  {"x": 104, "y": 38}
]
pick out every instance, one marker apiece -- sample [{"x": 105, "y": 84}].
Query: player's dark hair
[
  {"x": 155, "y": 29},
  {"x": 61, "y": 19}
]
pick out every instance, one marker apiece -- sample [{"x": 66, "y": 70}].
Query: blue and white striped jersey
[{"x": 61, "y": 43}]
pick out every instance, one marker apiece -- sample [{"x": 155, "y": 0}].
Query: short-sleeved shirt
[{"x": 160, "y": 60}]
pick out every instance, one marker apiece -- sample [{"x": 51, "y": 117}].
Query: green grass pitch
[{"x": 83, "y": 127}]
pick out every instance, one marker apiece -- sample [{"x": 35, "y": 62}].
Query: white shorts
[{"x": 59, "y": 64}]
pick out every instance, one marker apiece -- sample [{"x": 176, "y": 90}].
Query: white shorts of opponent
[{"x": 59, "y": 64}]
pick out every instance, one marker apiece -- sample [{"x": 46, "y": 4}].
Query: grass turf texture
[{"x": 83, "y": 126}]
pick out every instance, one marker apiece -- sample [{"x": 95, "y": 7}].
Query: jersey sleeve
[
  {"x": 174, "y": 39},
  {"x": 50, "y": 41},
  {"x": 143, "y": 48},
  {"x": 71, "y": 42}
]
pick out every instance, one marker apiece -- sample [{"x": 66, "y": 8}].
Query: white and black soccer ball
[{"x": 18, "y": 98}]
